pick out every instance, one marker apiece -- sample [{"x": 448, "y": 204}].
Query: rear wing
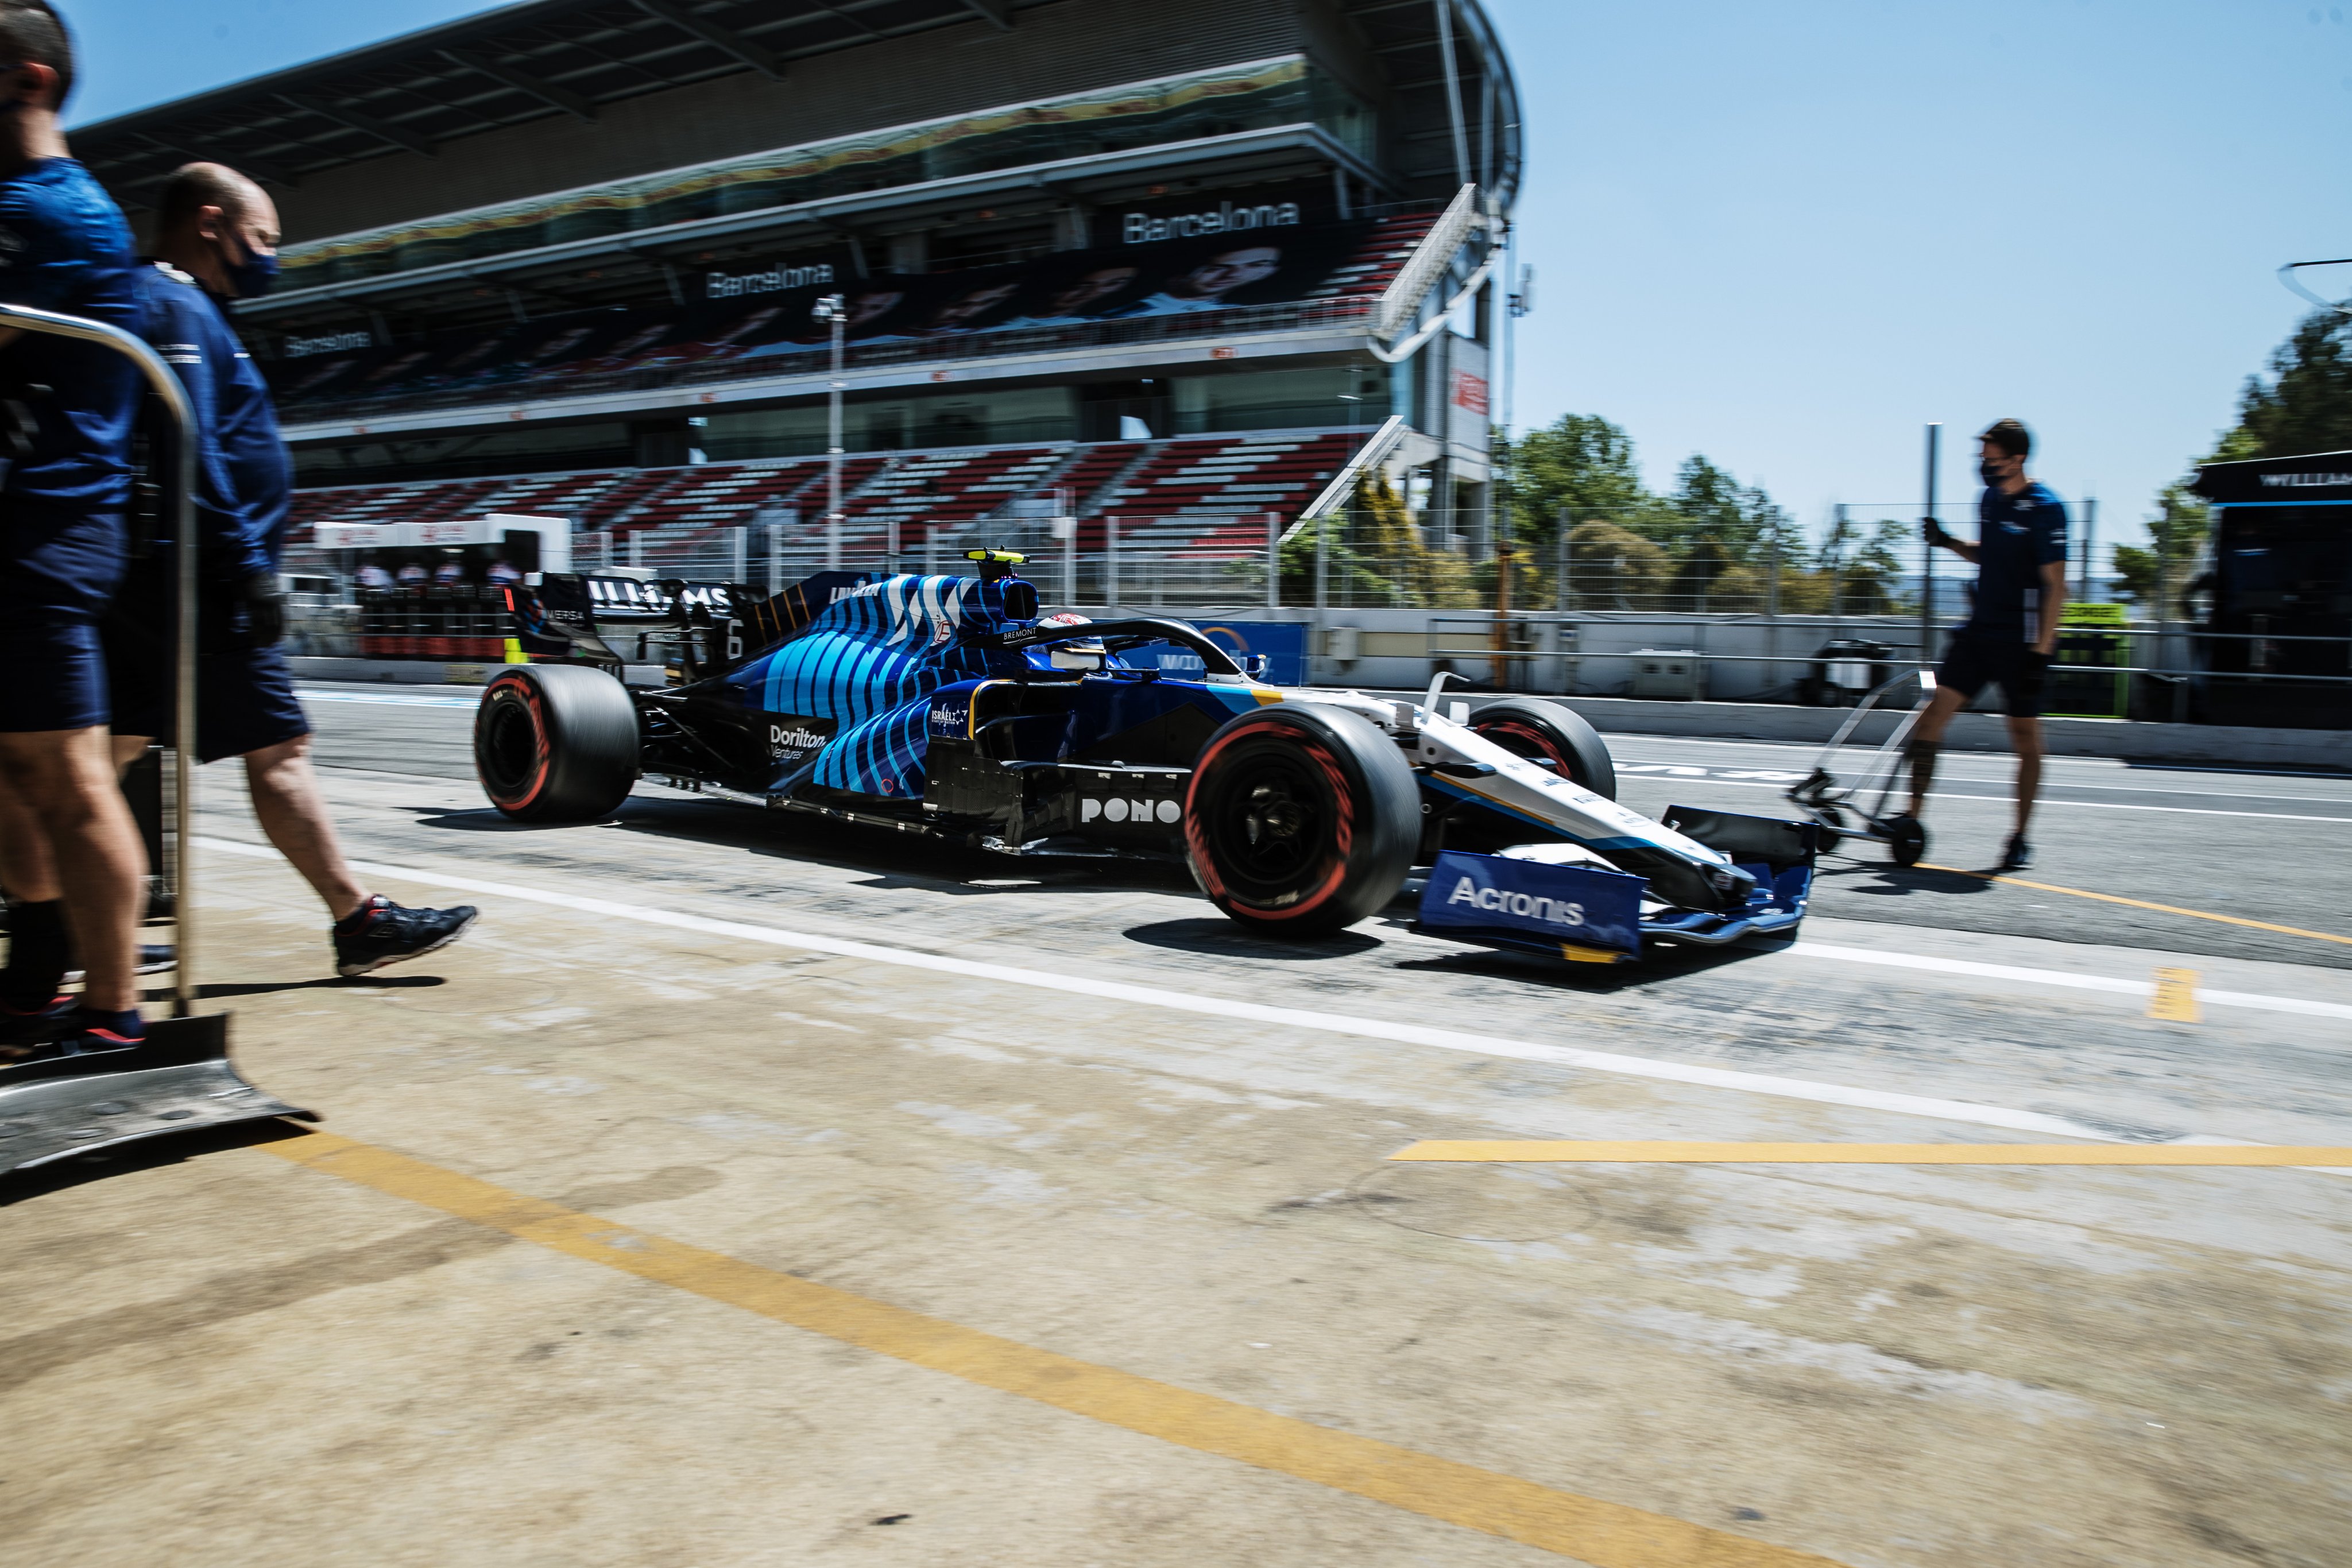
[{"x": 700, "y": 628}]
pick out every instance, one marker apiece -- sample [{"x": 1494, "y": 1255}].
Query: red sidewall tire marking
[
  {"x": 1344, "y": 830},
  {"x": 1545, "y": 747},
  {"x": 529, "y": 693}
]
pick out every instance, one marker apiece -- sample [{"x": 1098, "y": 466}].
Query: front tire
[
  {"x": 1550, "y": 732},
  {"x": 555, "y": 743},
  {"x": 1301, "y": 820}
]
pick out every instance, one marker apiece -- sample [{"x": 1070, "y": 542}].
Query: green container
[{"x": 2086, "y": 678}]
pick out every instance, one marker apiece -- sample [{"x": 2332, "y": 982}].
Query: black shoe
[
  {"x": 381, "y": 932},
  {"x": 2018, "y": 856},
  {"x": 21, "y": 1032}
]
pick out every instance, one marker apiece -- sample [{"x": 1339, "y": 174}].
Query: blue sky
[{"x": 1787, "y": 236}]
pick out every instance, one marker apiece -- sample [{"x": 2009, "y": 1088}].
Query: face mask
[
  {"x": 1988, "y": 473},
  {"x": 254, "y": 277}
]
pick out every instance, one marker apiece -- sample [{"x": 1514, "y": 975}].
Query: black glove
[
  {"x": 264, "y": 597},
  {"x": 1933, "y": 532}
]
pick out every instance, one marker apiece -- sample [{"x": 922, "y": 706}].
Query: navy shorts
[
  {"x": 1975, "y": 661},
  {"x": 59, "y": 569},
  {"x": 56, "y": 677},
  {"x": 245, "y": 695}
]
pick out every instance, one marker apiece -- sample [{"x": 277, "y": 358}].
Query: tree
[
  {"x": 1709, "y": 538},
  {"x": 2305, "y": 406},
  {"x": 1580, "y": 462},
  {"x": 2178, "y": 534},
  {"x": 2308, "y": 405}
]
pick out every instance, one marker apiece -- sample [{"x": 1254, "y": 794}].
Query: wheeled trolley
[{"x": 1858, "y": 811}]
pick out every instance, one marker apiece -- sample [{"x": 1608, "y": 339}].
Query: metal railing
[{"x": 180, "y": 516}]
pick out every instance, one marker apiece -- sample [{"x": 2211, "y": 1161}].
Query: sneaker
[
  {"x": 381, "y": 932},
  {"x": 22, "y": 1030},
  {"x": 2018, "y": 856},
  {"x": 85, "y": 1036}
]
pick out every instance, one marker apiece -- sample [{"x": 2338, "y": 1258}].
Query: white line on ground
[
  {"x": 1253, "y": 1012},
  {"x": 2003, "y": 799},
  {"x": 390, "y": 699}
]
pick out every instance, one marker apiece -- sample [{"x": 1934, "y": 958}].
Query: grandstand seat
[{"x": 1190, "y": 495}]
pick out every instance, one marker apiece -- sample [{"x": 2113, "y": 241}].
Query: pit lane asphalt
[
  {"x": 2272, "y": 847},
  {"x": 237, "y": 1361}
]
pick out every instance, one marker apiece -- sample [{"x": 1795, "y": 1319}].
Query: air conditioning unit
[{"x": 1672, "y": 673}]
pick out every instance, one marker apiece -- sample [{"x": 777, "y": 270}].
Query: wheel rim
[
  {"x": 509, "y": 751},
  {"x": 1269, "y": 825}
]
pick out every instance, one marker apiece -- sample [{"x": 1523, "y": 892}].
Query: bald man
[{"x": 217, "y": 240}]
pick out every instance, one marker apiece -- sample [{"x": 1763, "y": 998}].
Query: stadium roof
[
  {"x": 545, "y": 58},
  {"x": 501, "y": 68}
]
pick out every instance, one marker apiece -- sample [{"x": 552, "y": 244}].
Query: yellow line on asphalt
[
  {"x": 1606, "y": 1534},
  {"x": 1670, "y": 1153},
  {"x": 2175, "y": 998},
  {"x": 2143, "y": 904}
]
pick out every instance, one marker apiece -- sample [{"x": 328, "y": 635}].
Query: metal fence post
[
  {"x": 743, "y": 543},
  {"x": 1110, "y": 537},
  {"x": 1274, "y": 560},
  {"x": 1927, "y": 562},
  {"x": 775, "y": 559}
]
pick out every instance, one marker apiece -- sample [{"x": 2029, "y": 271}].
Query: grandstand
[{"x": 1159, "y": 270}]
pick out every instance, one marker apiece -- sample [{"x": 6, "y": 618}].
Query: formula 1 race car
[{"x": 948, "y": 707}]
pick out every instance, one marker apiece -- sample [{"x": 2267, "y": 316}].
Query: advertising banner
[
  {"x": 1489, "y": 898},
  {"x": 751, "y": 311}
]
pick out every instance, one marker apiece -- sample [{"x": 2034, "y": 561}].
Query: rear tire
[
  {"x": 1301, "y": 820},
  {"x": 555, "y": 743},
  {"x": 1550, "y": 732}
]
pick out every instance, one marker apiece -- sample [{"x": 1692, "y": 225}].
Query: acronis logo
[{"x": 1557, "y": 911}]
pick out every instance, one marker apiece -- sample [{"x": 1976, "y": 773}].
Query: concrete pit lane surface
[{"x": 748, "y": 1189}]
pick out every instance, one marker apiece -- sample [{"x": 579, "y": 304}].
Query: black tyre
[
  {"x": 1831, "y": 828},
  {"x": 1549, "y": 732},
  {"x": 1301, "y": 820},
  {"x": 555, "y": 743},
  {"x": 1907, "y": 840}
]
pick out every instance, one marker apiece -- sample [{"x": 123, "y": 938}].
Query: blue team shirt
[
  {"x": 2017, "y": 536},
  {"x": 64, "y": 246},
  {"x": 243, "y": 479}
]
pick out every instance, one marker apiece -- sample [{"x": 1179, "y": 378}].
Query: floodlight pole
[{"x": 830, "y": 310}]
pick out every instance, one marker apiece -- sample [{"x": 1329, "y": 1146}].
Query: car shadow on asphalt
[
  {"x": 1218, "y": 937},
  {"x": 895, "y": 859},
  {"x": 1663, "y": 962}
]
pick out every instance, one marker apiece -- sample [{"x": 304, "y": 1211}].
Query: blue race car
[{"x": 949, "y": 707}]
